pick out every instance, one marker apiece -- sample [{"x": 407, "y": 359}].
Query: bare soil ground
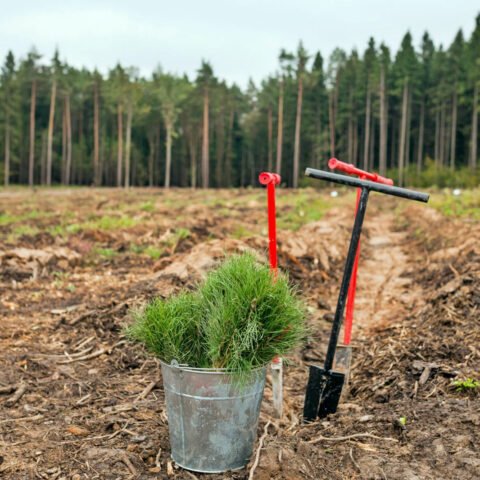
[{"x": 80, "y": 402}]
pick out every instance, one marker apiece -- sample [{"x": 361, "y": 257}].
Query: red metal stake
[{"x": 335, "y": 164}]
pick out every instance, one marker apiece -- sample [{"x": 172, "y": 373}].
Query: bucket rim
[{"x": 208, "y": 371}]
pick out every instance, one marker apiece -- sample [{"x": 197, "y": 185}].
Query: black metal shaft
[
  {"x": 347, "y": 274},
  {"x": 373, "y": 186}
]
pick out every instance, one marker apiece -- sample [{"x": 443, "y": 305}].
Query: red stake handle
[
  {"x": 335, "y": 164},
  {"x": 270, "y": 180}
]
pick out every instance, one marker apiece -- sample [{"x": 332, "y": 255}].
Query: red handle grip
[
  {"x": 335, "y": 164},
  {"x": 270, "y": 180},
  {"x": 266, "y": 177}
]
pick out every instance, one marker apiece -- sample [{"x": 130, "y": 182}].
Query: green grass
[
  {"x": 154, "y": 252},
  {"x": 147, "y": 207},
  {"x": 467, "y": 204},
  {"x": 105, "y": 222},
  {"x": 105, "y": 252},
  {"x": 294, "y": 211},
  {"x": 239, "y": 319},
  {"x": 8, "y": 219},
  {"x": 466, "y": 385},
  {"x": 240, "y": 232}
]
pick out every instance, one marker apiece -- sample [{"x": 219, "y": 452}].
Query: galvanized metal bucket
[{"x": 212, "y": 420}]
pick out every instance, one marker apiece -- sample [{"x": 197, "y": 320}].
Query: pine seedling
[{"x": 238, "y": 319}]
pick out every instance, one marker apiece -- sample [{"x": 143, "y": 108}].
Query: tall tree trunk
[
  {"x": 421, "y": 134},
  {"x": 383, "y": 124},
  {"x": 205, "y": 140},
  {"x": 371, "y": 155},
  {"x": 442, "y": 136},
  {"x": 331, "y": 122},
  {"x": 120, "y": 144},
  {"x": 220, "y": 149},
  {"x": 128, "y": 143},
  {"x": 403, "y": 134},
  {"x": 280, "y": 128},
  {"x": 366, "y": 145},
  {"x": 229, "y": 156},
  {"x": 68, "y": 117},
  {"x": 355, "y": 140},
  {"x": 168, "y": 153},
  {"x": 407, "y": 135},
  {"x": 51, "y": 123},
  {"x": 64, "y": 144},
  {"x": 474, "y": 134},
  {"x": 43, "y": 158},
  {"x": 453, "y": 131},
  {"x": 96, "y": 138},
  {"x": 318, "y": 145},
  {"x": 298, "y": 126},
  {"x": 270, "y": 139},
  {"x": 193, "y": 163},
  {"x": 31, "y": 153},
  {"x": 6, "y": 174},
  {"x": 350, "y": 138},
  {"x": 151, "y": 157},
  {"x": 437, "y": 137}
]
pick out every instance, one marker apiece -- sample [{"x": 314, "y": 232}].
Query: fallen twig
[
  {"x": 81, "y": 317},
  {"x": 157, "y": 458},
  {"x": 22, "y": 419},
  {"x": 321, "y": 438},
  {"x": 129, "y": 464},
  {"x": 357, "y": 466},
  {"x": 8, "y": 389},
  {"x": 146, "y": 391},
  {"x": 99, "y": 352},
  {"x": 259, "y": 448},
  {"x": 22, "y": 388}
]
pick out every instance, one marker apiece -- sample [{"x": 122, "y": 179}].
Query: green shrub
[{"x": 239, "y": 318}]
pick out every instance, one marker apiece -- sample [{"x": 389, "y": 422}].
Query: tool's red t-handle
[
  {"x": 335, "y": 164},
  {"x": 270, "y": 180}
]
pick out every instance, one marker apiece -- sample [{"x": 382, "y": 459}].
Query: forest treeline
[{"x": 413, "y": 115}]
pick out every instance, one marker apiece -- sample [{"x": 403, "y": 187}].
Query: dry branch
[
  {"x": 259, "y": 448},
  {"x": 22, "y": 388},
  {"x": 321, "y": 438}
]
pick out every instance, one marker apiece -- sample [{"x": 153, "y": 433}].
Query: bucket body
[{"x": 212, "y": 420}]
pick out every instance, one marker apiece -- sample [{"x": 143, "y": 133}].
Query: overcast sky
[{"x": 241, "y": 38}]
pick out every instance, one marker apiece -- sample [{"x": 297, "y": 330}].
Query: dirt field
[{"x": 80, "y": 402}]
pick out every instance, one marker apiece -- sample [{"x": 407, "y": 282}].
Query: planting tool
[
  {"x": 270, "y": 180},
  {"x": 343, "y": 356},
  {"x": 325, "y": 384}
]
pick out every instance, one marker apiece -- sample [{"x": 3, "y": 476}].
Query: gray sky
[{"x": 241, "y": 38}]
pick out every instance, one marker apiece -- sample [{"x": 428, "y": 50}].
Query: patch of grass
[
  {"x": 8, "y": 219},
  {"x": 20, "y": 230},
  {"x": 241, "y": 232},
  {"x": 466, "y": 385},
  {"x": 105, "y": 252},
  {"x": 151, "y": 250},
  {"x": 147, "y": 207},
  {"x": 154, "y": 252},
  {"x": 239, "y": 319},
  {"x": 105, "y": 222},
  {"x": 295, "y": 211},
  {"x": 465, "y": 204}
]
